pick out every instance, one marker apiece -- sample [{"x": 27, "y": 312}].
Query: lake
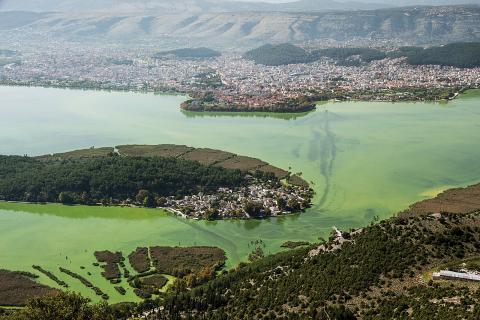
[{"x": 364, "y": 159}]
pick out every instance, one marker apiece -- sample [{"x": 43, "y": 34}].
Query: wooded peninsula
[{"x": 193, "y": 183}]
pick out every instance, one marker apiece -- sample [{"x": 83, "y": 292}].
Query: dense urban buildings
[{"x": 231, "y": 79}]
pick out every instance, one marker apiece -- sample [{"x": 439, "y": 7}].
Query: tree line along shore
[{"x": 195, "y": 183}]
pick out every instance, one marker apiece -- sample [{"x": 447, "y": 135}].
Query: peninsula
[{"x": 193, "y": 183}]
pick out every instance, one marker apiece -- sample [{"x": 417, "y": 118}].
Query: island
[
  {"x": 197, "y": 183},
  {"x": 209, "y": 102}
]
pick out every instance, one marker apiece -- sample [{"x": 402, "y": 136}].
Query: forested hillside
[
  {"x": 275, "y": 55},
  {"x": 380, "y": 272},
  {"x": 460, "y": 55}
]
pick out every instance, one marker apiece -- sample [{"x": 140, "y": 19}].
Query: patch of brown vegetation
[
  {"x": 121, "y": 290},
  {"x": 294, "y": 244},
  {"x": 148, "y": 285},
  {"x": 207, "y": 156},
  {"x": 139, "y": 260},
  {"x": 77, "y": 154},
  {"x": 279, "y": 173},
  {"x": 156, "y": 281},
  {"x": 297, "y": 181},
  {"x": 204, "y": 156},
  {"x": 111, "y": 268},
  {"x": 108, "y": 256},
  {"x": 242, "y": 163},
  {"x": 51, "y": 276},
  {"x": 85, "y": 282},
  {"x": 162, "y": 150},
  {"x": 176, "y": 260},
  {"x": 111, "y": 271},
  {"x": 460, "y": 201},
  {"x": 16, "y": 288}
]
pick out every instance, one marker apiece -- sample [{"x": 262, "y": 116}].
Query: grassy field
[
  {"x": 205, "y": 156},
  {"x": 84, "y": 153}
]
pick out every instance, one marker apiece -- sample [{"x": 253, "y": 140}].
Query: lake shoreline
[
  {"x": 308, "y": 104},
  {"x": 351, "y": 148},
  {"x": 248, "y": 187}
]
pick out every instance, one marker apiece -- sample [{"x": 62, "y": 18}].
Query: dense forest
[
  {"x": 190, "y": 53},
  {"x": 350, "y": 56},
  {"x": 106, "y": 179},
  {"x": 461, "y": 55},
  {"x": 276, "y": 55}
]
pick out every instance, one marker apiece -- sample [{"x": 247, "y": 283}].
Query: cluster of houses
[
  {"x": 258, "y": 200},
  {"x": 232, "y": 79}
]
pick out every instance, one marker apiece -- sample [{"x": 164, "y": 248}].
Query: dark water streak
[{"x": 328, "y": 153}]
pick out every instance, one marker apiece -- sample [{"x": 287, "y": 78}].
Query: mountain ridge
[
  {"x": 412, "y": 25},
  {"x": 179, "y": 6}
]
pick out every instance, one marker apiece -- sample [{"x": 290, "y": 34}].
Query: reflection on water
[
  {"x": 282, "y": 116},
  {"x": 79, "y": 212}
]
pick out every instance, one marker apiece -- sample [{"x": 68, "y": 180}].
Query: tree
[
  {"x": 282, "y": 204},
  {"x": 211, "y": 214},
  {"x": 253, "y": 209},
  {"x": 293, "y": 205},
  {"x": 141, "y": 195},
  {"x": 65, "y": 198},
  {"x": 148, "y": 202},
  {"x": 63, "y": 306},
  {"x": 161, "y": 201},
  {"x": 84, "y": 198}
]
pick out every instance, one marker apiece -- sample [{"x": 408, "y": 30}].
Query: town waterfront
[{"x": 349, "y": 150}]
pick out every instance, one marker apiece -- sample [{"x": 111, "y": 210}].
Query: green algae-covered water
[{"x": 364, "y": 159}]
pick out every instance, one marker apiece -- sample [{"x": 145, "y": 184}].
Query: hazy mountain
[
  {"x": 179, "y": 6},
  {"x": 410, "y": 25},
  {"x": 400, "y": 3},
  {"x": 204, "y": 6}
]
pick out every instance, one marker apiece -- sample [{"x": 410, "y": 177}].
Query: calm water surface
[{"x": 364, "y": 159}]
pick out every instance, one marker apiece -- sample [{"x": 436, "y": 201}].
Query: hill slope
[
  {"x": 406, "y": 25},
  {"x": 379, "y": 272}
]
